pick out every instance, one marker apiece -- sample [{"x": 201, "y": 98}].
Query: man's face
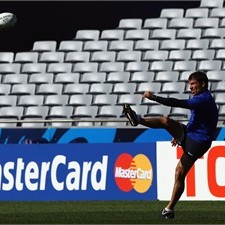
[{"x": 196, "y": 87}]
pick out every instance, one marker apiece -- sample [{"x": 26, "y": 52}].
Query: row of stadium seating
[{"x": 87, "y": 80}]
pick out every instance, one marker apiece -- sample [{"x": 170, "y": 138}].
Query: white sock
[{"x": 168, "y": 210}]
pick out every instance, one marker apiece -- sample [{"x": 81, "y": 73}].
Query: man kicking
[{"x": 195, "y": 138}]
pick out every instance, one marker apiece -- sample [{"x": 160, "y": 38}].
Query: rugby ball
[{"x": 7, "y": 20}]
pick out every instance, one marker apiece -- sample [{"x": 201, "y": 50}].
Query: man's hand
[
  {"x": 148, "y": 95},
  {"x": 174, "y": 142}
]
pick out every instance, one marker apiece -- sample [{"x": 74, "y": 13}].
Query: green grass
[{"x": 110, "y": 212}]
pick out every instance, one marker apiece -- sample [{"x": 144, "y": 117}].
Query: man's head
[{"x": 198, "y": 82}]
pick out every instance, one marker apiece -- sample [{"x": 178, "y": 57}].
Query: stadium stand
[{"x": 94, "y": 74}]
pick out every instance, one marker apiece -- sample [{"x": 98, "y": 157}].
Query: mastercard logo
[{"x": 133, "y": 173}]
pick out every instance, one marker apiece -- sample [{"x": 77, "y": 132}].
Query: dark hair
[{"x": 200, "y": 76}]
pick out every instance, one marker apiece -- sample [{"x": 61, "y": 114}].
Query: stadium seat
[
  {"x": 155, "y": 23},
  {"x": 124, "y": 88},
  {"x": 70, "y": 46},
  {"x": 74, "y": 57},
  {"x": 163, "y": 34},
  {"x": 112, "y": 67},
  {"x": 67, "y": 78},
  {"x": 30, "y": 100},
  {"x": 34, "y": 112},
  {"x": 185, "y": 65},
  {"x": 109, "y": 111},
  {"x": 206, "y": 65},
  {"x": 112, "y": 35},
  {"x": 214, "y": 33},
  {"x": 128, "y": 24},
  {"x": 216, "y": 76},
  {"x": 105, "y": 99},
  {"x": 13, "y": 112},
  {"x": 8, "y": 100},
  {"x": 137, "y": 66},
  {"x": 129, "y": 56},
  {"x": 23, "y": 89},
  {"x": 217, "y": 44},
  {"x": 190, "y": 33},
  {"x": 103, "y": 56},
  {"x": 141, "y": 77},
  {"x": 59, "y": 67},
  {"x": 41, "y": 78},
  {"x": 91, "y": 78},
  {"x": 34, "y": 68},
  {"x": 44, "y": 46},
  {"x": 80, "y": 100},
  {"x": 172, "y": 44},
  {"x": 85, "y": 67},
  {"x": 203, "y": 54},
  {"x": 87, "y": 35},
  {"x": 136, "y": 35},
  {"x": 71, "y": 89},
  {"x": 100, "y": 88},
  {"x": 220, "y": 54},
  {"x": 197, "y": 13},
  {"x": 195, "y": 44},
  {"x": 10, "y": 68},
  {"x": 145, "y": 45},
  {"x": 155, "y": 55},
  {"x": 217, "y": 12},
  {"x": 179, "y": 113},
  {"x": 15, "y": 79},
  {"x": 166, "y": 76},
  {"x": 181, "y": 23},
  {"x": 56, "y": 112},
  {"x": 49, "y": 89},
  {"x": 85, "y": 112},
  {"x": 5, "y": 89},
  {"x": 161, "y": 66},
  {"x": 56, "y": 100},
  {"x": 6, "y": 57},
  {"x": 172, "y": 87},
  {"x": 211, "y": 4},
  {"x": 219, "y": 98},
  {"x": 146, "y": 86},
  {"x": 205, "y": 23},
  {"x": 179, "y": 55},
  {"x": 125, "y": 45},
  {"x": 172, "y": 13},
  {"x": 51, "y": 57},
  {"x": 158, "y": 111},
  {"x": 26, "y": 57},
  {"x": 92, "y": 46},
  {"x": 132, "y": 99},
  {"x": 118, "y": 77}
]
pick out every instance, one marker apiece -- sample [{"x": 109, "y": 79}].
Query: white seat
[
  {"x": 206, "y": 65},
  {"x": 6, "y": 57},
  {"x": 26, "y": 57},
  {"x": 163, "y": 34},
  {"x": 15, "y": 78},
  {"x": 85, "y": 112},
  {"x": 177, "y": 55},
  {"x": 70, "y": 46},
  {"x": 190, "y": 33},
  {"x": 8, "y": 100},
  {"x": 203, "y": 54},
  {"x": 103, "y": 56},
  {"x": 73, "y": 57},
  {"x": 144, "y": 45},
  {"x": 161, "y": 66},
  {"x": 56, "y": 112},
  {"x": 111, "y": 67},
  {"x": 216, "y": 75},
  {"x": 112, "y": 35},
  {"x": 197, "y": 13},
  {"x": 125, "y": 45},
  {"x": 172, "y": 44},
  {"x": 100, "y": 88},
  {"x": 59, "y": 67},
  {"x": 211, "y": 4},
  {"x": 137, "y": 66},
  {"x": 124, "y": 88},
  {"x": 67, "y": 78},
  {"x": 3, "y": 124},
  {"x": 23, "y": 89},
  {"x": 184, "y": 75},
  {"x": 30, "y": 100},
  {"x": 128, "y": 56},
  {"x": 213, "y": 33},
  {"x": 205, "y": 23},
  {"x": 92, "y": 46},
  {"x": 85, "y": 67},
  {"x": 172, "y": 87},
  {"x": 181, "y": 23},
  {"x": 217, "y": 12},
  {"x": 221, "y": 112},
  {"x": 35, "y": 112},
  {"x": 56, "y": 100},
  {"x": 105, "y": 99},
  {"x": 41, "y": 78},
  {"x": 11, "y": 112},
  {"x": 137, "y": 35},
  {"x": 220, "y": 54},
  {"x": 118, "y": 77},
  {"x": 166, "y": 76},
  {"x": 76, "y": 89},
  {"x": 181, "y": 96},
  {"x": 220, "y": 98},
  {"x": 217, "y": 44},
  {"x": 49, "y": 89},
  {"x": 87, "y": 35},
  {"x": 153, "y": 87},
  {"x": 155, "y": 23},
  {"x": 108, "y": 111},
  {"x": 172, "y": 13},
  {"x": 141, "y": 77},
  {"x": 44, "y": 46},
  {"x": 132, "y": 99},
  {"x": 80, "y": 99},
  {"x": 10, "y": 68},
  {"x": 34, "y": 68},
  {"x": 155, "y": 55},
  {"x": 51, "y": 57},
  {"x": 195, "y": 44},
  {"x": 185, "y": 65},
  {"x": 5, "y": 89},
  {"x": 158, "y": 111},
  {"x": 127, "y": 24},
  {"x": 179, "y": 113},
  {"x": 91, "y": 78}
]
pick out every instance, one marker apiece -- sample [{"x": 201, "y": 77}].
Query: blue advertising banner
[{"x": 88, "y": 171}]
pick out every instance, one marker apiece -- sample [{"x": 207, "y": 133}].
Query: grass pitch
[{"x": 110, "y": 212}]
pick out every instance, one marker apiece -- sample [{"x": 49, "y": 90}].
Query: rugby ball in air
[{"x": 7, "y": 20}]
